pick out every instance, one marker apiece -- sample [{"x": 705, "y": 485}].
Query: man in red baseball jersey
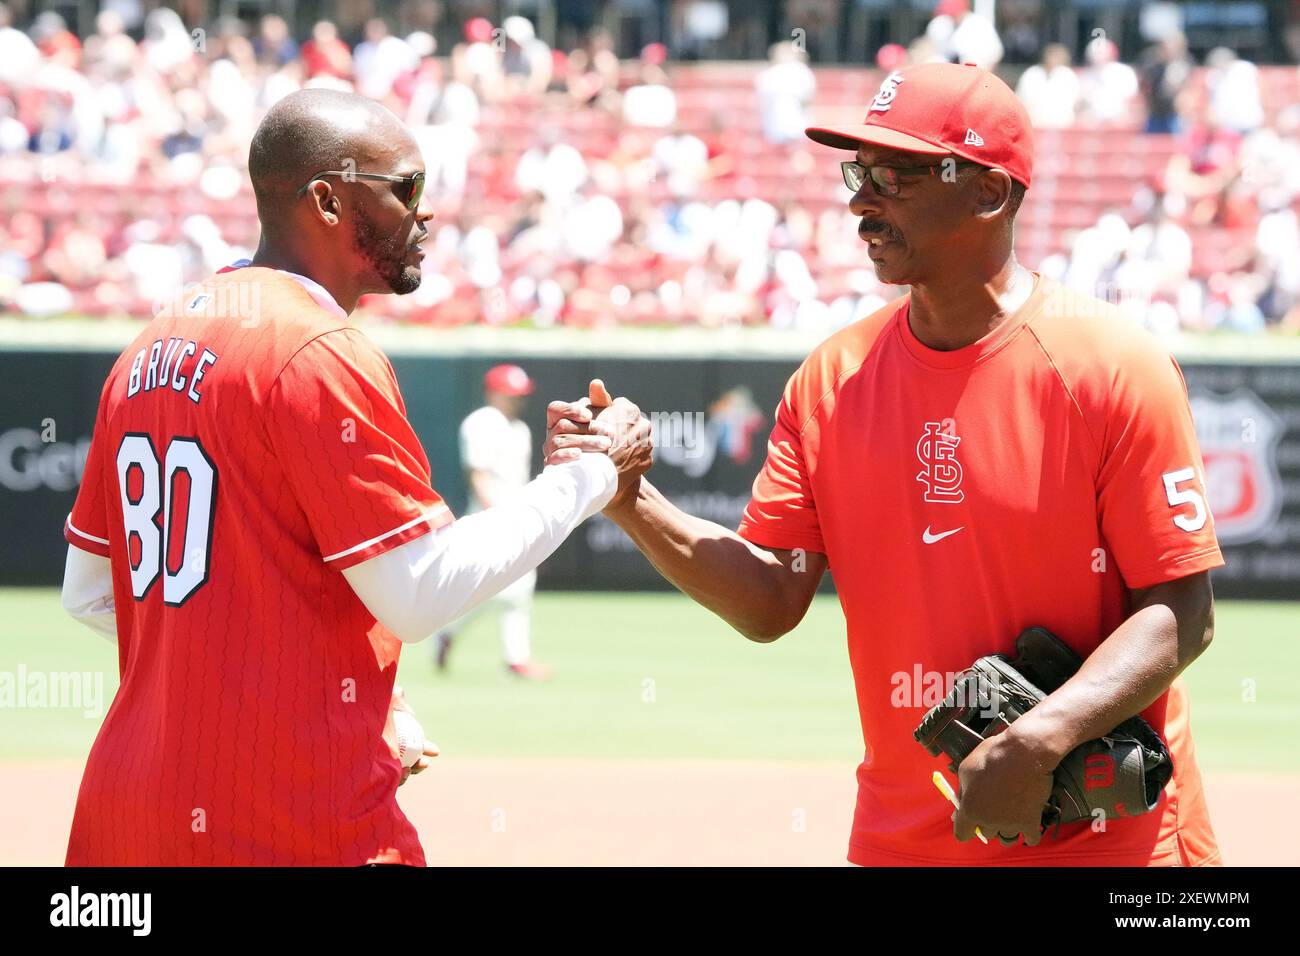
[
  {"x": 990, "y": 452},
  {"x": 257, "y": 531}
]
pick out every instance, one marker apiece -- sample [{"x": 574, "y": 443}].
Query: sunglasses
[
  {"x": 887, "y": 180},
  {"x": 413, "y": 185}
]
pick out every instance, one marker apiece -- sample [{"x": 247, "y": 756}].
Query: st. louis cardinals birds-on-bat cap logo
[{"x": 885, "y": 95}]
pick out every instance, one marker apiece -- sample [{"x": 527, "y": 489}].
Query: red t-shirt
[
  {"x": 960, "y": 497},
  {"x": 249, "y": 446}
]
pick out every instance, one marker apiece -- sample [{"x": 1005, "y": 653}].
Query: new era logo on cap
[{"x": 973, "y": 138}]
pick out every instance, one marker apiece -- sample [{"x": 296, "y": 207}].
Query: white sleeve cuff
[{"x": 600, "y": 471}]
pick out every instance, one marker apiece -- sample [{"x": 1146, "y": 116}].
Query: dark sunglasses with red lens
[{"x": 410, "y": 193}]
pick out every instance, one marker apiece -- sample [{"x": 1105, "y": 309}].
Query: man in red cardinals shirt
[{"x": 990, "y": 452}]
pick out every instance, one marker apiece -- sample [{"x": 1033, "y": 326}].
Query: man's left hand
[
  {"x": 421, "y": 765},
  {"x": 430, "y": 751}
]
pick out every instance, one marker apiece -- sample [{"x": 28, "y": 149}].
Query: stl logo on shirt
[{"x": 940, "y": 470}]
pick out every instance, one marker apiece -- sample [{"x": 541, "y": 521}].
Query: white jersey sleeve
[
  {"x": 418, "y": 588},
  {"x": 88, "y": 592}
]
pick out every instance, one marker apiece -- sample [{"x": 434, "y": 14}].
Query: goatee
[{"x": 386, "y": 254}]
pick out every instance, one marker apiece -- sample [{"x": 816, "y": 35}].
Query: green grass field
[{"x": 654, "y": 676}]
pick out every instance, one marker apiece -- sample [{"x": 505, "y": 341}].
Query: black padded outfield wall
[
  {"x": 47, "y": 412},
  {"x": 712, "y": 417}
]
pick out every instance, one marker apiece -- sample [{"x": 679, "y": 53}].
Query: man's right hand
[{"x": 571, "y": 426}]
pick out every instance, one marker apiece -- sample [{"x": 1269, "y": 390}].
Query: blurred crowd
[
  {"x": 574, "y": 188},
  {"x": 1211, "y": 239}
]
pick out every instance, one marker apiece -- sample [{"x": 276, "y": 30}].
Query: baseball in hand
[{"x": 410, "y": 738}]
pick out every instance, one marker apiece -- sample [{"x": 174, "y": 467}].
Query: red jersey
[
  {"x": 960, "y": 497},
  {"x": 249, "y": 445}
]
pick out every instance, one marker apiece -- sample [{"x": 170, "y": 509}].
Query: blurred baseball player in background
[
  {"x": 991, "y": 452},
  {"x": 496, "y": 451},
  {"x": 257, "y": 531}
]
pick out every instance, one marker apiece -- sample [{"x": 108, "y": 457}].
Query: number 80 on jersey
[{"x": 183, "y": 489}]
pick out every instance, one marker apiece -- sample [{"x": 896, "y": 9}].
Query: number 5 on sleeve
[{"x": 1184, "y": 496}]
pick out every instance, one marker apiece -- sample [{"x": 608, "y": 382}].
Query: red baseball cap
[
  {"x": 950, "y": 8},
  {"x": 478, "y": 30},
  {"x": 941, "y": 108},
  {"x": 508, "y": 380}
]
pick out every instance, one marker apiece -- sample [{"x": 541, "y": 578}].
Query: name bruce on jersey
[{"x": 166, "y": 366}]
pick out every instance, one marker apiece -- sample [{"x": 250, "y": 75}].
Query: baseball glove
[{"x": 1120, "y": 774}]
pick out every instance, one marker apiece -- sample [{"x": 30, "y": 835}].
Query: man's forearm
[
  {"x": 1126, "y": 674},
  {"x": 745, "y": 585}
]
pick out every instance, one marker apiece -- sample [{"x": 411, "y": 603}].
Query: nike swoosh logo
[{"x": 929, "y": 538}]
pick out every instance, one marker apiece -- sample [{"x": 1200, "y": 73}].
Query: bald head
[
  {"x": 313, "y": 130},
  {"x": 354, "y": 234}
]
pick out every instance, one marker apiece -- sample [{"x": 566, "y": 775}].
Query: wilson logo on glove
[{"x": 1098, "y": 771}]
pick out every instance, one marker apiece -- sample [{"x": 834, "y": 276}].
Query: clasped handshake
[{"x": 601, "y": 424}]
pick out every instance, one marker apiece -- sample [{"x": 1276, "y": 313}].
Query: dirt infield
[{"x": 566, "y": 812}]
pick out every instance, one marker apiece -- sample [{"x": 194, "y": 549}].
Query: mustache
[{"x": 871, "y": 227}]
